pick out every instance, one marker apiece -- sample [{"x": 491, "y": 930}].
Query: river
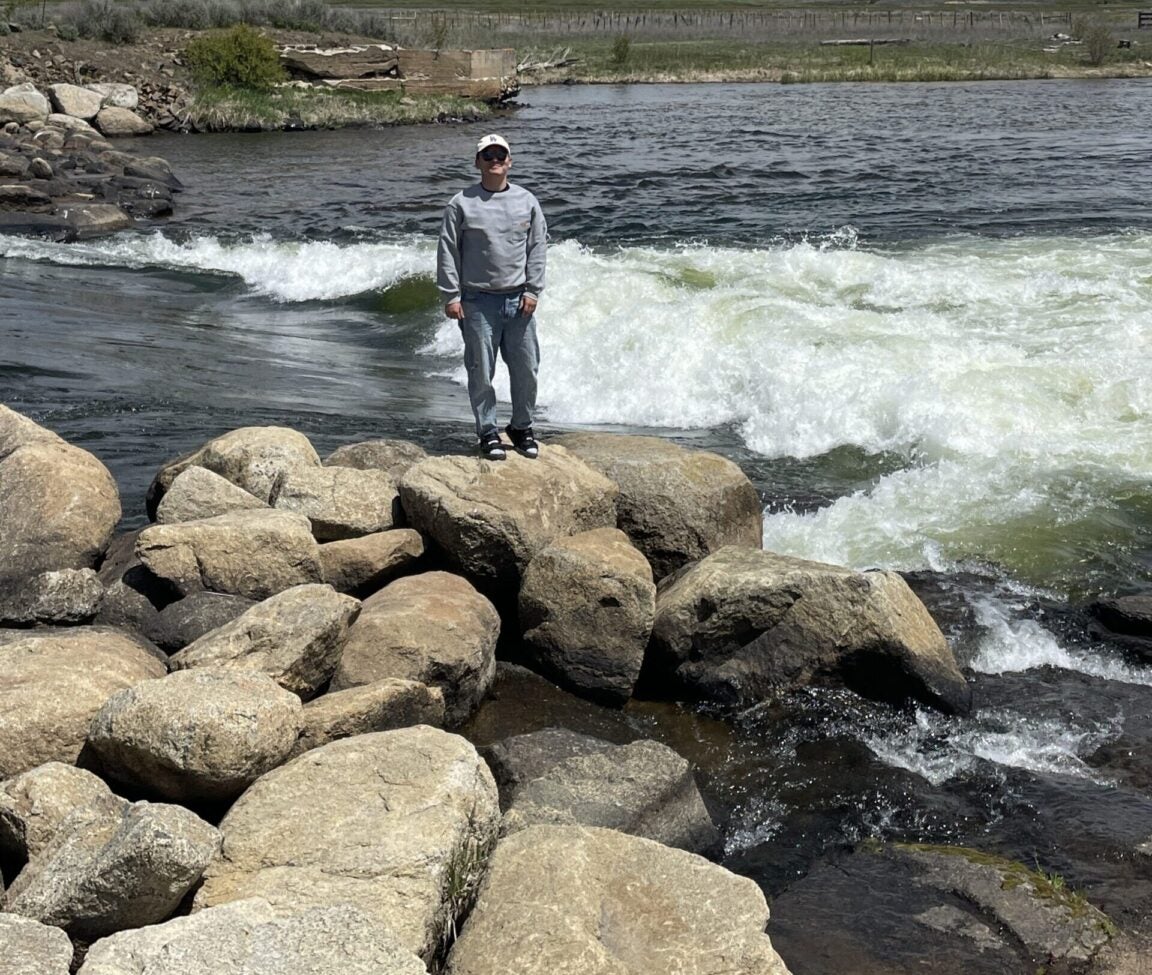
[{"x": 917, "y": 315}]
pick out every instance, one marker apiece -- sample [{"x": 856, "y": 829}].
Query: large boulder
[
  {"x": 676, "y": 505},
  {"x": 116, "y": 94},
  {"x": 196, "y": 735},
  {"x": 35, "y": 803},
  {"x": 567, "y": 900},
  {"x": 72, "y": 100},
  {"x": 340, "y": 502},
  {"x": 492, "y": 518},
  {"x": 199, "y": 493},
  {"x": 186, "y": 620},
  {"x": 743, "y": 624},
  {"x": 53, "y": 682},
  {"x": 519, "y": 759},
  {"x": 23, "y": 103},
  {"x": 114, "y": 865},
  {"x": 120, "y": 122},
  {"x": 362, "y": 565},
  {"x": 381, "y": 706},
  {"x": 58, "y": 503},
  {"x": 434, "y": 628},
  {"x": 586, "y": 610},
  {"x": 393, "y": 823},
  {"x": 250, "y": 457},
  {"x": 393, "y": 456},
  {"x": 61, "y": 597},
  {"x": 244, "y": 553},
  {"x": 31, "y": 948},
  {"x": 644, "y": 788},
  {"x": 295, "y": 637},
  {"x": 250, "y": 938}
]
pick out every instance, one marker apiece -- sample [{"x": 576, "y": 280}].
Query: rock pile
[
  {"x": 61, "y": 178},
  {"x": 273, "y": 669}
]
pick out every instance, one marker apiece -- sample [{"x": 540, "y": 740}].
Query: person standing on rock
[{"x": 490, "y": 271}]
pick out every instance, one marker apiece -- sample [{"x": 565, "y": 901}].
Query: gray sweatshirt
[{"x": 491, "y": 242}]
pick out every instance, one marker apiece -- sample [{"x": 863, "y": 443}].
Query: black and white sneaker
[
  {"x": 491, "y": 447},
  {"x": 523, "y": 441}
]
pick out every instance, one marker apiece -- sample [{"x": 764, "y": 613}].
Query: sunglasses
[{"x": 494, "y": 155}]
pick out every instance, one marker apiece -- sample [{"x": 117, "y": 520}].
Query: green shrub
[
  {"x": 107, "y": 20},
  {"x": 621, "y": 48},
  {"x": 240, "y": 57},
  {"x": 1097, "y": 38}
]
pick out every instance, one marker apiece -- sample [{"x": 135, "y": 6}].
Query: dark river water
[{"x": 917, "y": 315}]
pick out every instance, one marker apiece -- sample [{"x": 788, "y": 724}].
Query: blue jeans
[{"x": 491, "y": 322}]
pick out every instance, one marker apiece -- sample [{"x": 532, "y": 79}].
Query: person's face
[{"x": 494, "y": 162}]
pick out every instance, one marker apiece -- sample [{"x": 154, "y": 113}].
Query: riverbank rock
[
  {"x": 360, "y": 566},
  {"x": 434, "y": 628},
  {"x": 107, "y": 869},
  {"x": 295, "y": 637},
  {"x": 186, "y": 620},
  {"x": 250, "y": 938},
  {"x": 22, "y": 104},
  {"x": 586, "y": 605},
  {"x": 65, "y": 597},
  {"x": 131, "y": 593},
  {"x": 35, "y": 803},
  {"x": 741, "y": 624},
  {"x": 255, "y": 554},
  {"x": 517, "y": 760},
  {"x": 73, "y": 100},
  {"x": 565, "y": 899},
  {"x": 393, "y": 456},
  {"x": 58, "y": 503},
  {"x": 31, "y": 948},
  {"x": 381, "y": 706},
  {"x": 676, "y": 505},
  {"x": 492, "y": 518},
  {"x": 1126, "y": 620},
  {"x": 118, "y": 123},
  {"x": 389, "y": 823},
  {"x": 199, "y": 493},
  {"x": 340, "y": 502},
  {"x": 196, "y": 734},
  {"x": 644, "y": 789},
  {"x": 250, "y": 457},
  {"x": 53, "y": 682}
]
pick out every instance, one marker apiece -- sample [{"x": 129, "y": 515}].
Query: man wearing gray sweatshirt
[{"x": 490, "y": 272}]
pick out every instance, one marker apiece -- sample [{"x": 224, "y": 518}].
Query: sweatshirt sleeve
[
  {"x": 537, "y": 252},
  {"x": 448, "y": 255}
]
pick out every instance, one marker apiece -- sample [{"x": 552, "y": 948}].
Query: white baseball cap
[{"x": 492, "y": 140}]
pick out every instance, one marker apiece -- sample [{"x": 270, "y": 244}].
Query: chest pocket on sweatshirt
[{"x": 517, "y": 230}]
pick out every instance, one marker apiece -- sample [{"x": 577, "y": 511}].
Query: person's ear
[{"x": 476, "y": 161}]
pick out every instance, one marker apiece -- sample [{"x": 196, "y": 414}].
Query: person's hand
[
  {"x": 454, "y": 310},
  {"x": 527, "y": 306}
]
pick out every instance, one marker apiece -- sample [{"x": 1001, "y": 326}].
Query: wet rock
[
  {"x": 250, "y": 457},
  {"x": 1126, "y": 615},
  {"x": 74, "y": 101},
  {"x": 197, "y": 734},
  {"x": 586, "y": 609},
  {"x": 52, "y": 683},
  {"x": 644, "y": 788},
  {"x": 20, "y": 196},
  {"x": 250, "y": 938},
  {"x": 87, "y": 220},
  {"x": 35, "y": 803},
  {"x": 434, "y": 628},
  {"x": 676, "y": 505},
  {"x": 116, "y": 94},
  {"x": 199, "y": 493},
  {"x": 518, "y": 759},
  {"x": 31, "y": 948},
  {"x": 23, "y": 104},
  {"x": 114, "y": 866},
  {"x": 362, "y": 565},
  {"x": 40, "y": 168},
  {"x": 742, "y": 624},
  {"x": 244, "y": 553},
  {"x": 595, "y": 901},
  {"x": 393, "y": 456},
  {"x": 64, "y": 597},
  {"x": 153, "y": 169},
  {"x": 385, "y": 822},
  {"x": 295, "y": 637},
  {"x": 186, "y": 620},
  {"x": 381, "y": 706},
  {"x": 120, "y": 122},
  {"x": 491, "y": 518},
  {"x": 340, "y": 502}
]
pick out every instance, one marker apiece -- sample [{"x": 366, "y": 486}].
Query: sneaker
[
  {"x": 523, "y": 441},
  {"x": 491, "y": 447}
]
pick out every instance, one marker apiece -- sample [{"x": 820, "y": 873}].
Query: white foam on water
[
  {"x": 938, "y": 748},
  {"x": 284, "y": 271}
]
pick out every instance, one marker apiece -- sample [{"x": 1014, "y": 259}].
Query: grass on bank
[{"x": 228, "y": 109}]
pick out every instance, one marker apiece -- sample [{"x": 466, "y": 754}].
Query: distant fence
[{"x": 1144, "y": 20}]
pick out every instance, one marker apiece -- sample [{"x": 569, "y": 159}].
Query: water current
[{"x": 917, "y": 315}]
